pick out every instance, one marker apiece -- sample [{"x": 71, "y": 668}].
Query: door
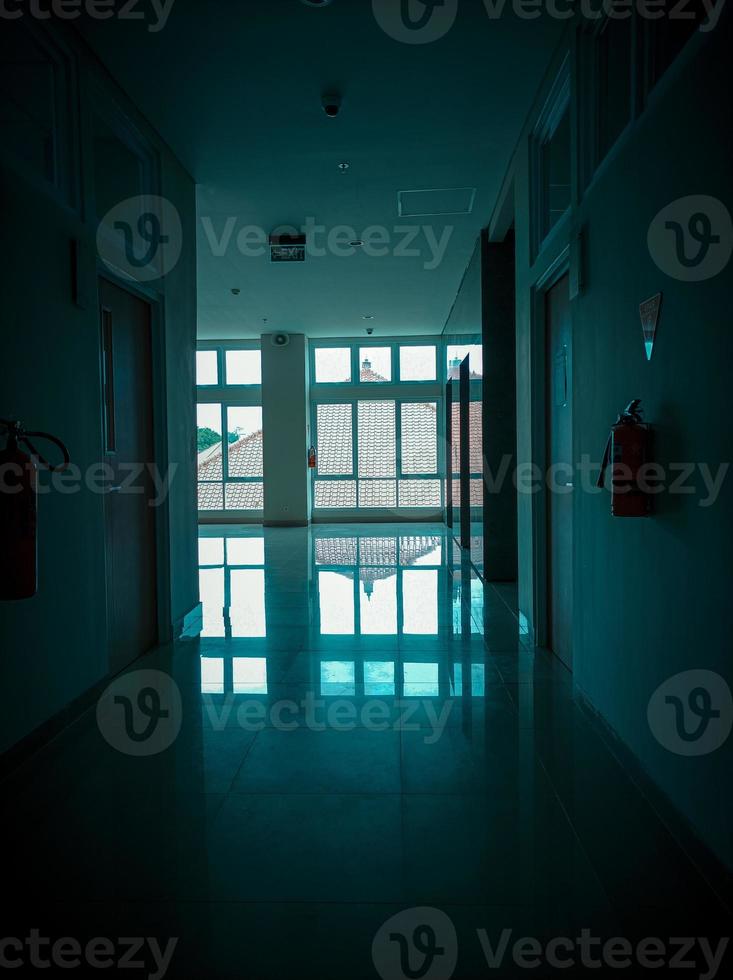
[
  {"x": 559, "y": 460},
  {"x": 127, "y": 379}
]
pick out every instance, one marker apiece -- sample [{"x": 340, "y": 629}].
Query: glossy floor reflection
[{"x": 364, "y": 728}]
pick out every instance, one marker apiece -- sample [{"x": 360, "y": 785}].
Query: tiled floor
[{"x": 364, "y": 729}]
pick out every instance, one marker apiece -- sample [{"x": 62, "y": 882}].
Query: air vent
[
  {"x": 287, "y": 248},
  {"x": 449, "y": 200}
]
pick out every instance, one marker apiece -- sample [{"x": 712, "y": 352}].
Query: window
[
  {"x": 230, "y": 437},
  {"x": 418, "y": 363},
  {"x": 333, "y": 365},
  {"x": 551, "y": 161},
  {"x": 456, "y": 354},
  {"x": 207, "y": 367},
  {"x": 375, "y": 364},
  {"x": 243, "y": 367},
  {"x": 35, "y": 125},
  {"x": 232, "y": 589}
]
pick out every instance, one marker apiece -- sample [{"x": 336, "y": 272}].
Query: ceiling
[{"x": 235, "y": 88}]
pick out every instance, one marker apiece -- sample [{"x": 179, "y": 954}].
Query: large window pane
[
  {"x": 249, "y": 675},
  {"x": 244, "y": 496},
  {"x": 375, "y": 364},
  {"x": 335, "y": 440},
  {"x": 377, "y": 493},
  {"x": 417, "y": 363},
  {"x": 207, "y": 367},
  {"x": 209, "y": 442},
  {"x": 419, "y": 493},
  {"x": 377, "y": 439},
  {"x": 335, "y": 493},
  {"x": 244, "y": 435},
  {"x": 457, "y": 353},
  {"x": 244, "y": 367},
  {"x": 379, "y": 678},
  {"x": 419, "y": 437},
  {"x": 333, "y": 365},
  {"x": 212, "y": 675},
  {"x": 421, "y": 680},
  {"x": 338, "y": 678},
  {"x": 245, "y": 551}
]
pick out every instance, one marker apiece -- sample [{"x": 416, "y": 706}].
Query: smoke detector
[{"x": 279, "y": 339}]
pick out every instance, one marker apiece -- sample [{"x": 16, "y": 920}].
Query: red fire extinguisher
[
  {"x": 312, "y": 458},
  {"x": 627, "y": 450},
  {"x": 19, "y": 507}
]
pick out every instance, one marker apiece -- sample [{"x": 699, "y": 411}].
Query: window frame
[
  {"x": 229, "y": 396},
  {"x": 558, "y": 102},
  {"x": 355, "y": 346}
]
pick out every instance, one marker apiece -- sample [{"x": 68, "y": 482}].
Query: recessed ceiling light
[
  {"x": 357, "y": 243},
  {"x": 316, "y": 3},
  {"x": 368, "y": 316}
]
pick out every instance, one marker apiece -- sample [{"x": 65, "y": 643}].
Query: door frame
[
  {"x": 161, "y": 514},
  {"x": 559, "y": 267}
]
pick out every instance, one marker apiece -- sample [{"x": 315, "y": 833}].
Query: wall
[
  {"x": 652, "y": 596},
  {"x": 54, "y": 645}
]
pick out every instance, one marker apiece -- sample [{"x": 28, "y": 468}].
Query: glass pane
[
  {"x": 335, "y": 493},
  {"x": 377, "y": 493},
  {"x": 247, "y": 611},
  {"x": 420, "y": 493},
  {"x": 211, "y": 496},
  {"x": 378, "y": 602},
  {"x": 244, "y": 435},
  {"x": 212, "y": 675},
  {"x": 417, "y": 363},
  {"x": 377, "y": 439},
  {"x": 335, "y": 440},
  {"x": 338, "y": 677},
  {"x": 379, "y": 678},
  {"x": 419, "y": 437},
  {"x": 211, "y": 551},
  {"x": 456, "y": 354},
  {"x": 245, "y": 551},
  {"x": 208, "y": 440},
  {"x": 249, "y": 675},
  {"x": 378, "y": 551},
  {"x": 207, "y": 367},
  {"x": 211, "y": 591},
  {"x": 420, "y": 601},
  {"x": 375, "y": 364},
  {"x": 475, "y": 441},
  {"x": 244, "y": 496},
  {"x": 29, "y": 86},
  {"x": 244, "y": 367},
  {"x": 336, "y": 597},
  {"x": 333, "y": 365},
  {"x": 421, "y": 680},
  {"x": 555, "y": 163}
]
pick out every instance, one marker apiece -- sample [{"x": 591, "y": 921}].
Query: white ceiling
[{"x": 235, "y": 88}]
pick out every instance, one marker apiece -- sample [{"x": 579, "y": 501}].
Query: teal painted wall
[
  {"x": 652, "y": 596},
  {"x": 54, "y": 645}
]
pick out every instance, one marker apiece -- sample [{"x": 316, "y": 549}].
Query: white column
[{"x": 286, "y": 428}]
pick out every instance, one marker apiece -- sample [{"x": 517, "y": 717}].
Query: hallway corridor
[{"x": 361, "y": 728}]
